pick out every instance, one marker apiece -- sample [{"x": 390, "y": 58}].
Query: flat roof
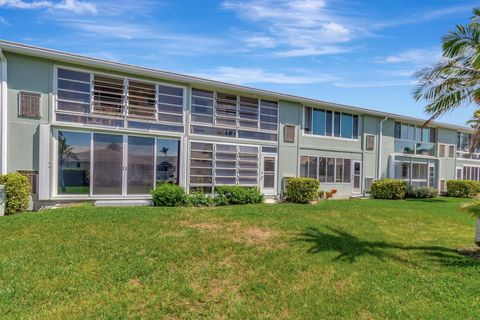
[{"x": 155, "y": 73}]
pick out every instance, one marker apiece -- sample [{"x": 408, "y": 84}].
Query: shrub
[
  {"x": 199, "y": 199},
  {"x": 463, "y": 188},
  {"x": 321, "y": 194},
  {"x": 389, "y": 189},
  {"x": 17, "y": 191},
  {"x": 421, "y": 192},
  {"x": 220, "y": 200},
  {"x": 169, "y": 195},
  {"x": 302, "y": 190},
  {"x": 237, "y": 195}
]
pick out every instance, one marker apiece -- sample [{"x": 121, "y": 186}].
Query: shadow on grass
[
  {"x": 351, "y": 247},
  {"x": 434, "y": 200}
]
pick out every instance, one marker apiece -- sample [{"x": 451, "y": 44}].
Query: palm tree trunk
[{"x": 477, "y": 233}]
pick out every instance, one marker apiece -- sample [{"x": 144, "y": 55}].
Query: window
[
  {"x": 411, "y": 139},
  {"x": 112, "y": 99},
  {"x": 29, "y": 104},
  {"x": 441, "y": 152},
  {"x": 108, "y": 95},
  {"x": 73, "y": 162},
  {"x": 141, "y": 100},
  {"x": 141, "y": 159},
  {"x": 451, "y": 151},
  {"x": 167, "y": 162},
  {"x": 289, "y": 134},
  {"x": 222, "y": 164},
  {"x": 370, "y": 142},
  {"x": 326, "y": 169},
  {"x": 469, "y": 173},
  {"x": 416, "y": 172},
  {"x": 327, "y": 123},
  {"x": 257, "y": 119}
]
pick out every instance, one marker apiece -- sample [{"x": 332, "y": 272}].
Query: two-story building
[{"x": 88, "y": 129}]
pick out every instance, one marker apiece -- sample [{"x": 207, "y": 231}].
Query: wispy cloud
[
  {"x": 373, "y": 84},
  {"x": 412, "y": 57},
  {"x": 74, "y": 6},
  {"x": 259, "y": 75},
  {"x": 294, "y": 28}
]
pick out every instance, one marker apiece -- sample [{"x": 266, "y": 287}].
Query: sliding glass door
[
  {"x": 107, "y": 175},
  {"x": 100, "y": 164}
]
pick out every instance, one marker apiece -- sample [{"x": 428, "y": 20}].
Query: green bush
[
  {"x": 238, "y": 195},
  {"x": 463, "y": 188},
  {"x": 199, "y": 199},
  {"x": 169, "y": 195},
  {"x": 421, "y": 192},
  {"x": 389, "y": 189},
  {"x": 302, "y": 190},
  {"x": 220, "y": 200},
  {"x": 17, "y": 191}
]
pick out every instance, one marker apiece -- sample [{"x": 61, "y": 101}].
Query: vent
[
  {"x": 451, "y": 151},
  {"x": 370, "y": 142},
  {"x": 441, "y": 151},
  {"x": 442, "y": 186},
  {"x": 285, "y": 185},
  {"x": 289, "y": 134},
  {"x": 32, "y": 177},
  {"x": 29, "y": 104},
  {"x": 368, "y": 184},
  {"x": 108, "y": 95}
]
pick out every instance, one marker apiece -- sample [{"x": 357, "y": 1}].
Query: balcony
[{"x": 417, "y": 148}]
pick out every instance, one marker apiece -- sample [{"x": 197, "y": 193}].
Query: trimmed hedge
[
  {"x": 302, "y": 190},
  {"x": 231, "y": 195},
  {"x": 392, "y": 189},
  {"x": 169, "y": 195},
  {"x": 421, "y": 192},
  {"x": 199, "y": 199},
  {"x": 463, "y": 188},
  {"x": 17, "y": 192}
]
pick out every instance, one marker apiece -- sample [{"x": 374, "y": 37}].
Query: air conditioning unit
[{"x": 368, "y": 184}]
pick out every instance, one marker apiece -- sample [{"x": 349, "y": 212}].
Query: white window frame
[{"x": 311, "y": 135}]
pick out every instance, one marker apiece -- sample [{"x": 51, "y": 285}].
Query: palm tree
[
  {"x": 165, "y": 150},
  {"x": 454, "y": 82},
  {"x": 66, "y": 154}
]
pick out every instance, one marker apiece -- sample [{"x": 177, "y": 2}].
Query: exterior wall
[{"x": 37, "y": 75}]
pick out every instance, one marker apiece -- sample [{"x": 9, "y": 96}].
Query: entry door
[
  {"x": 268, "y": 175},
  {"x": 357, "y": 177}
]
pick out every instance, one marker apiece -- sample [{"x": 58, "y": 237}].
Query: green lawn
[{"x": 345, "y": 259}]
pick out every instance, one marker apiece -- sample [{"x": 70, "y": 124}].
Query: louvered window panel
[
  {"x": 268, "y": 115},
  {"x": 248, "y": 112},
  {"x": 29, "y": 104},
  {"x": 170, "y": 104},
  {"x": 226, "y": 109},
  {"x": 108, "y": 95},
  {"x": 141, "y": 100}
]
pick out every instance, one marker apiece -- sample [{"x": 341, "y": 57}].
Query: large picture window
[
  {"x": 416, "y": 172},
  {"x": 326, "y": 169},
  {"x": 329, "y": 123},
  {"x": 167, "y": 160},
  {"x": 73, "y": 162},
  {"x": 411, "y": 139}
]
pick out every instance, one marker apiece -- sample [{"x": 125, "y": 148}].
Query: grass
[{"x": 357, "y": 259}]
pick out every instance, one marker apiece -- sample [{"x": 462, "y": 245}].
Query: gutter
[
  {"x": 3, "y": 113},
  {"x": 379, "y": 158}
]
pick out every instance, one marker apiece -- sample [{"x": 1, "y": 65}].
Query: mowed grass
[{"x": 345, "y": 259}]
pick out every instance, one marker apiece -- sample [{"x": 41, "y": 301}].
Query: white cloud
[
  {"x": 258, "y": 75},
  {"x": 413, "y": 56},
  {"x": 374, "y": 84},
  {"x": 64, "y": 5},
  {"x": 294, "y": 28}
]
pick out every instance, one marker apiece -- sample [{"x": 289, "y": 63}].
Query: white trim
[
  {"x": 3, "y": 113},
  {"x": 44, "y": 163},
  {"x": 268, "y": 191},
  {"x": 360, "y": 189}
]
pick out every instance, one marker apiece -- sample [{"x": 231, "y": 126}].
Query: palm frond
[{"x": 472, "y": 209}]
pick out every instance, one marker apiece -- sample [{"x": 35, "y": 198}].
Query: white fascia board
[{"x": 154, "y": 73}]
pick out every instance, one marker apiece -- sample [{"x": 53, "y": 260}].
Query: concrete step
[{"x": 122, "y": 203}]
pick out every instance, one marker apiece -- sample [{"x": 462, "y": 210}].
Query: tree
[
  {"x": 66, "y": 154},
  {"x": 454, "y": 82}
]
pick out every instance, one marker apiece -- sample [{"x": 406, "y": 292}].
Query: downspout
[
  {"x": 3, "y": 113},
  {"x": 379, "y": 158}
]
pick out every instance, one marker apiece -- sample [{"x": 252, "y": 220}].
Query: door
[
  {"x": 268, "y": 175},
  {"x": 357, "y": 177}
]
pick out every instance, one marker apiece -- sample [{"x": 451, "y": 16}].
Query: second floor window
[{"x": 330, "y": 123}]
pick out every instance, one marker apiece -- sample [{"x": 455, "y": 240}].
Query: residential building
[{"x": 88, "y": 129}]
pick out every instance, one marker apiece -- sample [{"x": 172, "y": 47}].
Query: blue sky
[{"x": 361, "y": 53}]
